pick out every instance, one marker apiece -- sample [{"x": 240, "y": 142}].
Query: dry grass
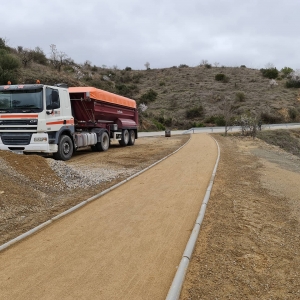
[{"x": 182, "y": 88}]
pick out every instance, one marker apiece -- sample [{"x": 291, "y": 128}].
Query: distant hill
[{"x": 177, "y": 97}]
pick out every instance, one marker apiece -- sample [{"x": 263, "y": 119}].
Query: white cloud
[{"x": 165, "y": 32}]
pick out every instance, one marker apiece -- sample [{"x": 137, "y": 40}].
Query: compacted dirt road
[
  {"x": 124, "y": 245},
  {"x": 248, "y": 247}
]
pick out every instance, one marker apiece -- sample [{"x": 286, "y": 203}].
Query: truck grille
[
  {"x": 16, "y": 138},
  {"x": 14, "y": 122}
]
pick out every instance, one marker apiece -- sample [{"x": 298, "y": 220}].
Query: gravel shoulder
[{"x": 249, "y": 242}]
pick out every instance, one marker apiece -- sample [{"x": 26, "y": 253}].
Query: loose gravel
[{"x": 85, "y": 177}]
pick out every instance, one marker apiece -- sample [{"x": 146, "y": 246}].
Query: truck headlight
[{"x": 40, "y": 139}]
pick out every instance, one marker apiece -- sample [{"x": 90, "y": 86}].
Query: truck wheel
[
  {"x": 65, "y": 148},
  {"x": 124, "y": 138},
  {"x": 103, "y": 145},
  {"x": 131, "y": 138}
]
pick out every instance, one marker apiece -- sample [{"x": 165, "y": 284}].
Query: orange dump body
[
  {"x": 92, "y": 107},
  {"x": 104, "y": 96}
]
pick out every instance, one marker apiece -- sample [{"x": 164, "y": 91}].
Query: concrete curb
[
  {"x": 176, "y": 286},
  {"x": 72, "y": 209}
]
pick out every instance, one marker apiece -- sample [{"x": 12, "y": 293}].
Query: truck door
[{"x": 53, "y": 110}]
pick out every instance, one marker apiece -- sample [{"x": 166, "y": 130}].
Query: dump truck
[{"x": 58, "y": 120}]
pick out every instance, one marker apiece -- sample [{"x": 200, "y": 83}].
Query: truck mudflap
[{"x": 126, "y": 123}]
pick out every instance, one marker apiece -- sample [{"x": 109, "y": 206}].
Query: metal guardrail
[{"x": 239, "y": 128}]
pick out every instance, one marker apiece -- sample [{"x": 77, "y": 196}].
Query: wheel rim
[
  {"x": 132, "y": 136},
  {"x": 105, "y": 141},
  {"x": 126, "y": 136},
  {"x": 66, "y": 148}
]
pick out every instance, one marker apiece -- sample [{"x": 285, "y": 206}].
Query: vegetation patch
[{"x": 288, "y": 140}]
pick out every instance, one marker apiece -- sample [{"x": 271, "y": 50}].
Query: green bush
[
  {"x": 271, "y": 73},
  {"x": 39, "y": 56},
  {"x": 183, "y": 66},
  {"x": 128, "y": 69},
  {"x": 207, "y": 66},
  {"x": 293, "y": 113},
  {"x": 269, "y": 118},
  {"x": 218, "y": 120},
  {"x": 240, "y": 96},
  {"x": 292, "y": 83},
  {"x": 126, "y": 90},
  {"x": 195, "y": 124},
  {"x": 165, "y": 121},
  {"x": 196, "y": 112},
  {"x": 158, "y": 125},
  {"x": 149, "y": 96},
  {"x": 9, "y": 66},
  {"x": 286, "y": 71},
  {"x": 221, "y": 77}
]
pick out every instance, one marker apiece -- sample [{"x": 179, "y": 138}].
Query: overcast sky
[{"x": 164, "y": 33}]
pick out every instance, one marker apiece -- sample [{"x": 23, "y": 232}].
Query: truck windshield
[{"x": 21, "y": 100}]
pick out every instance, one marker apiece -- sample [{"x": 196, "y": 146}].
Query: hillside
[{"x": 177, "y": 97}]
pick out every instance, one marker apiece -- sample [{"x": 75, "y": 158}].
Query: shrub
[
  {"x": 292, "y": 83},
  {"x": 286, "y": 71},
  {"x": 9, "y": 66},
  {"x": 39, "y": 56},
  {"x": 162, "y": 83},
  {"x": 126, "y": 90},
  {"x": 128, "y": 69},
  {"x": 240, "y": 96},
  {"x": 165, "y": 121},
  {"x": 271, "y": 73},
  {"x": 293, "y": 113},
  {"x": 219, "y": 120},
  {"x": 196, "y": 112},
  {"x": 94, "y": 68},
  {"x": 183, "y": 66},
  {"x": 158, "y": 125},
  {"x": 207, "y": 66},
  {"x": 149, "y": 96},
  {"x": 195, "y": 124},
  {"x": 269, "y": 118},
  {"x": 221, "y": 77},
  {"x": 243, "y": 66}
]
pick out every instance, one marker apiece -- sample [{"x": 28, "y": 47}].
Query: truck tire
[
  {"x": 131, "y": 138},
  {"x": 103, "y": 145},
  {"x": 124, "y": 138},
  {"x": 65, "y": 148}
]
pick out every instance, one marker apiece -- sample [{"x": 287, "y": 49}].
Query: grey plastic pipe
[
  {"x": 35, "y": 229},
  {"x": 176, "y": 286}
]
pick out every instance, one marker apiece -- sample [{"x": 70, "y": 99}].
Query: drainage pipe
[
  {"x": 37, "y": 228},
  {"x": 175, "y": 289}
]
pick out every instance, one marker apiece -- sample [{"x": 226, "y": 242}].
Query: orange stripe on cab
[
  {"x": 67, "y": 122},
  {"x": 21, "y": 116}
]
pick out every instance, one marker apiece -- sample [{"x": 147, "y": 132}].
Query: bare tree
[
  {"x": 57, "y": 58},
  {"x": 216, "y": 64},
  {"x": 204, "y": 62},
  {"x": 249, "y": 125},
  {"x": 147, "y": 65},
  {"x": 227, "y": 111},
  {"x": 269, "y": 66},
  {"x": 26, "y": 55}
]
